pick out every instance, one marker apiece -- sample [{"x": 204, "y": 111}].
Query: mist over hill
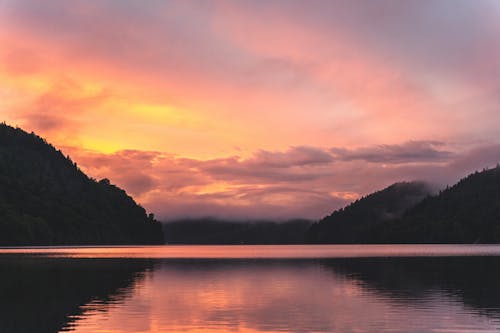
[
  {"x": 467, "y": 212},
  {"x": 405, "y": 212},
  {"x": 214, "y": 231},
  {"x": 353, "y": 223}
]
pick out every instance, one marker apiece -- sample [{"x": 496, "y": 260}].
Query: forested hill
[
  {"x": 354, "y": 223},
  {"x": 45, "y": 199},
  {"x": 213, "y": 231},
  {"x": 468, "y": 212}
]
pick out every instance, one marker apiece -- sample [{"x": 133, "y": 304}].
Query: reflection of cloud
[
  {"x": 271, "y": 296},
  {"x": 299, "y": 182}
]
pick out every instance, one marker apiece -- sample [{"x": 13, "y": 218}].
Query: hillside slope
[
  {"x": 354, "y": 223},
  {"x": 45, "y": 199},
  {"x": 468, "y": 212}
]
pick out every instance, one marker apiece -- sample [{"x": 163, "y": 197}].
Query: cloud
[
  {"x": 408, "y": 152},
  {"x": 268, "y": 184},
  {"x": 307, "y": 182},
  {"x": 20, "y": 61},
  {"x": 60, "y": 108},
  {"x": 325, "y": 100},
  {"x": 297, "y": 164},
  {"x": 295, "y": 156},
  {"x": 354, "y": 73},
  {"x": 486, "y": 156},
  {"x": 292, "y": 165},
  {"x": 131, "y": 169}
]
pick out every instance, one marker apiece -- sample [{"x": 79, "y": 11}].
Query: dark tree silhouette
[
  {"x": 353, "y": 224},
  {"x": 47, "y": 295},
  {"x": 468, "y": 212},
  {"x": 45, "y": 199},
  {"x": 213, "y": 231}
]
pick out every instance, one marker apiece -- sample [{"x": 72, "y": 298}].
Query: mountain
[
  {"x": 45, "y": 199},
  {"x": 468, "y": 212},
  {"x": 212, "y": 231},
  {"x": 354, "y": 223}
]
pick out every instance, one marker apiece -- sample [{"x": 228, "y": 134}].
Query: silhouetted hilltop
[
  {"x": 468, "y": 212},
  {"x": 354, "y": 223},
  {"x": 45, "y": 199},
  {"x": 212, "y": 231}
]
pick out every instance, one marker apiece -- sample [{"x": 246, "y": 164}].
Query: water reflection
[
  {"x": 49, "y": 295},
  {"x": 426, "y": 294},
  {"x": 342, "y": 295},
  {"x": 471, "y": 280}
]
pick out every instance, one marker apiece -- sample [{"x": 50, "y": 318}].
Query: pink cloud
[
  {"x": 60, "y": 109},
  {"x": 338, "y": 74},
  {"x": 304, "y": 182},
  {"x": 326, "y": 101}
]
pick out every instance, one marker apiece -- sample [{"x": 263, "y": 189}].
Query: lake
[{"x": 299, "y": 288}]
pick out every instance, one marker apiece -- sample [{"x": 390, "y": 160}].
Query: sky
[{"x": 256, "y": 109}]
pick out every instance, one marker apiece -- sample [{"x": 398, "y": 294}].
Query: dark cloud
[
  {"x": 295, "y": 156},
  {"x": 408, "y": 152},
  {"x": 137, "y": 183},
  {"x": 293, "y": 165}
]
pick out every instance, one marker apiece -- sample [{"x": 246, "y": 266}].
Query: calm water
[{"x": 251, "y": 289}]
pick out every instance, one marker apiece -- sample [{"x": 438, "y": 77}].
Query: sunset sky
[{"x": 256, "y": 109}]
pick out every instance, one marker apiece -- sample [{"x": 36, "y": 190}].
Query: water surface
[
  {"x": 256, "y": 251},
  {"x": 398, "y": 288}
]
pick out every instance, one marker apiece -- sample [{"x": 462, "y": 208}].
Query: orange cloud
[{"x": 299, "y": 182}]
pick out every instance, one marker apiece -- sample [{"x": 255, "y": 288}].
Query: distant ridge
[
  {"x": 45, "y": 199},
  {"x": 214, "y": 231}
]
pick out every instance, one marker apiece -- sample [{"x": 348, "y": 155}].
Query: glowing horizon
[{"x": 239, "y": 109}]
